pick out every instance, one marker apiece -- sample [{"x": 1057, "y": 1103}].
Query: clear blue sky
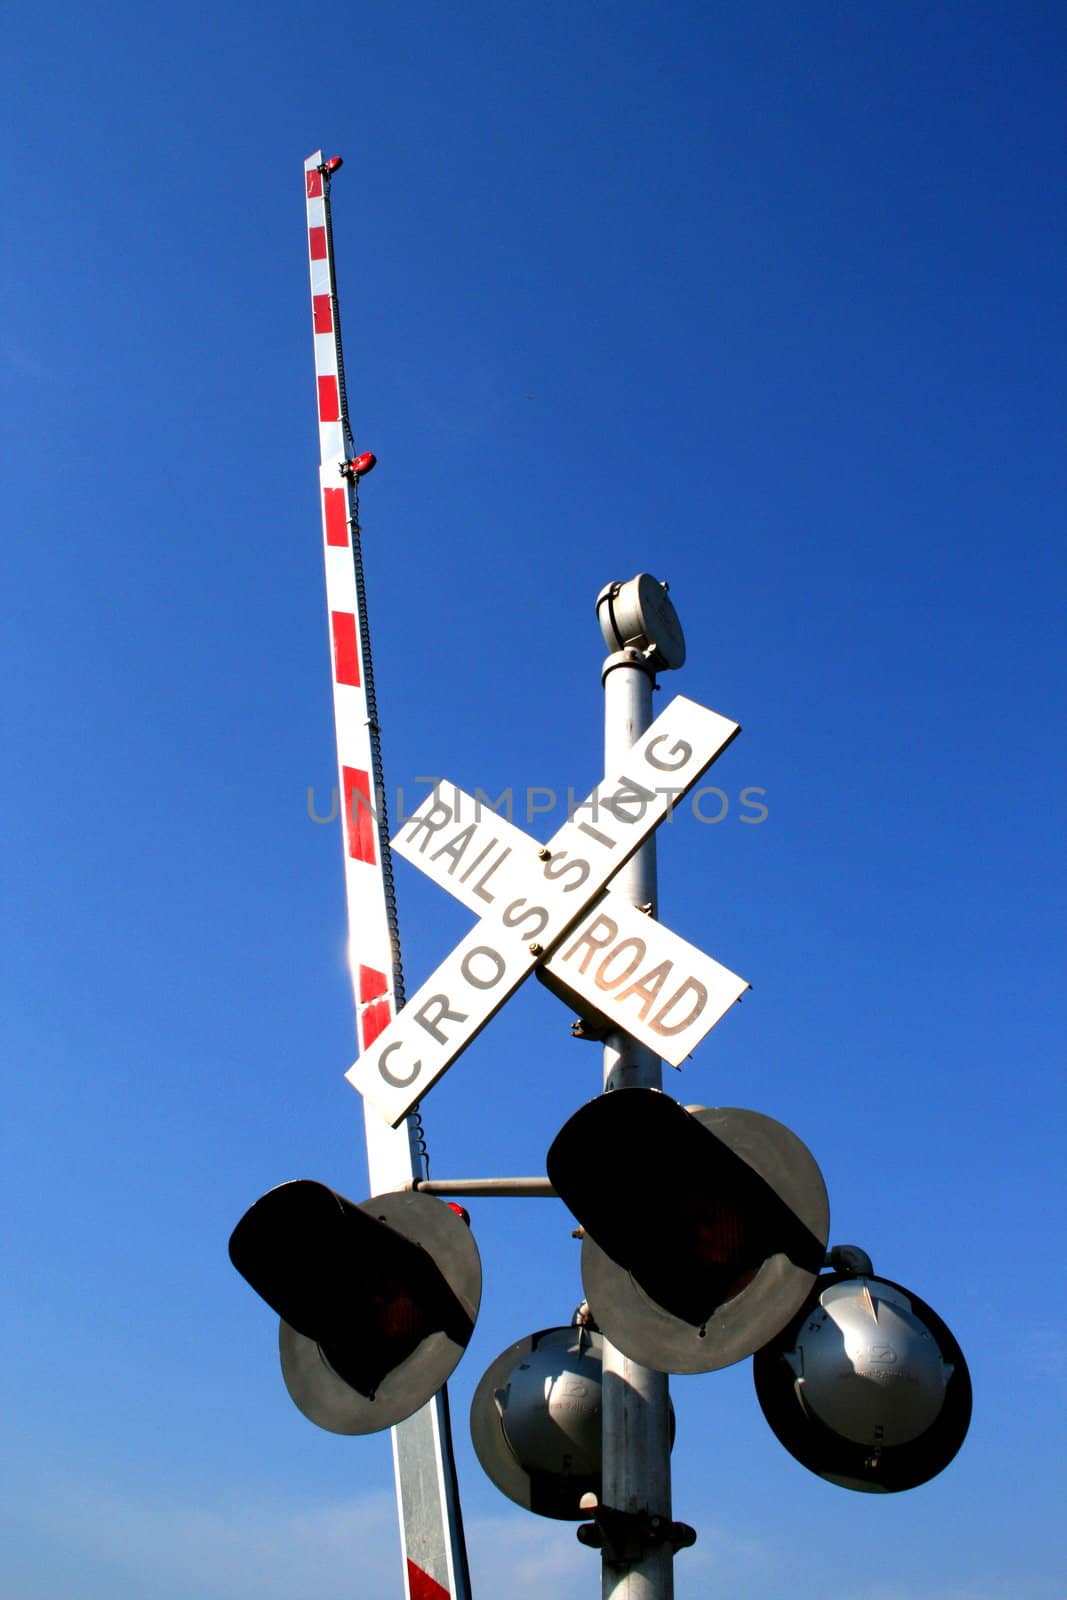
[{"x": 765, "y": 299}]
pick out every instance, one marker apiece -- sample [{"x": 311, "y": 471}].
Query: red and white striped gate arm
[{"x": 431, "y": 1529}]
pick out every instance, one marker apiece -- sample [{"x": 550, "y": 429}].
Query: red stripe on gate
[
  {"x": 372, "y": 985},
  {"x": 374, "y": 1021},
  {"x": 317, "y": 243},
  {"x": 336, "y": 516},
  {"x": 358, "y": 819},
  {"x": 314, "y": 184},
  {"x": 423, "y": 1587},
  {"x": 329, "y": 404},
  {"x": 322, "y": 313},
  {"x": 345, "y": 652}
]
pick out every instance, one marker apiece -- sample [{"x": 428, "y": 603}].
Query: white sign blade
[
  {"x": 461, "y": 844},
  {"x": 441, "y": 1020},
  {"x": 536, "y": 895},
  {"x": 642, "y": 978},
  {"x": 623, "y": 809}
]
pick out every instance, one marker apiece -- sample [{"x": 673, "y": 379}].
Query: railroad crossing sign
[
  {"x": 616, "y": 966},
  {"x": 545, "y": 904}
]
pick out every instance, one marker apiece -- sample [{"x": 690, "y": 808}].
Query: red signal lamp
[
  {"x": 359, "y": 466},
  {"x": 377, "y": 1301},
  {"x": 718, "y": 1249},
  {"x": 331, "y": 166}
]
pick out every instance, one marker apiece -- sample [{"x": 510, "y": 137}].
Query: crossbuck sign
[{"x": 545, "y": 905}]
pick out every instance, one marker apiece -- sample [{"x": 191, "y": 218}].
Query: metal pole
[{"x": 636, "y": 1407}]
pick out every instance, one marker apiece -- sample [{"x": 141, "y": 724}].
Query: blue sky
[{"x": 766, "y": 300}]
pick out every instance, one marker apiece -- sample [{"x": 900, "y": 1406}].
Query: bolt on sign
[{"x": 543, "y": 905}]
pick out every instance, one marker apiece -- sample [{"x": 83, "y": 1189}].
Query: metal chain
[
  {"x": 378, "y": 780},
  {"x": 377, "y": 767}
]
